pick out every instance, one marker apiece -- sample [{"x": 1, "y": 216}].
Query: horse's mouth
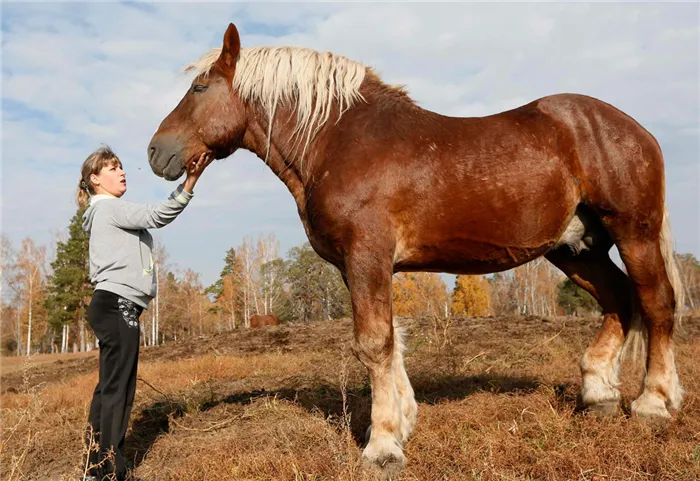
[{"x": 190, "y": 162}]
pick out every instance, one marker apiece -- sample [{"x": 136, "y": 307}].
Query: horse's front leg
[{"x": 369, "y": 279}]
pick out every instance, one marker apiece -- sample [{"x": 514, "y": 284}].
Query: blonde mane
[{"x": 310, "y": 80}]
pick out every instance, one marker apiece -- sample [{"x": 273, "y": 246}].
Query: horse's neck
[
  {"x": 279, "y": 153},
  {"x": 287, "y": 153}
]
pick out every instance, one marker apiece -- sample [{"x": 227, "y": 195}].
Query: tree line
[{"x": 45, "y": 295}]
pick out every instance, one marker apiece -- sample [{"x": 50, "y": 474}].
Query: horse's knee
[{"x": 373, "y": 348}]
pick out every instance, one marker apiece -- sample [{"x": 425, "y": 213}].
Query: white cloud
[{"x": 92, "y": 73}]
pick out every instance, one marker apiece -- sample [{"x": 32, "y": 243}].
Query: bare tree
[
  {"x": 192, "y": 293},
  {"x": 246, "y": 259},
  {"x": 268, "y": 251},
  {"x": 535, "y": 287},
  {"x": 160, "y": 259},
  {"x": 31, "y": 271}
]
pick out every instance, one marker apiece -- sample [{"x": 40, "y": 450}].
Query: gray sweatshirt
[{"x": 120, "y": 246}]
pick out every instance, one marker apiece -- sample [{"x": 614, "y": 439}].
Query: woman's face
[{"x": 111, "y": 180}]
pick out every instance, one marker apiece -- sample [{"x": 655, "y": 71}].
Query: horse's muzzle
[{"x": 165, "y": 158}]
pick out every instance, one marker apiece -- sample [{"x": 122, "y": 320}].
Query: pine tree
[
  {"x": 317, "y": 288},
  {"x": 230, "y": 267},
  {"x": 69, "y": 286},
  {"x": 574, "y": 300}
]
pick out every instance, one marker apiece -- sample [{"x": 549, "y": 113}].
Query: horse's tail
[
  {"x": 672, "y": 270},
  {"x": 636, "y": 342}
]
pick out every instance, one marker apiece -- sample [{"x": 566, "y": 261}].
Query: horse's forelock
[{"x": 204, "y": 64}]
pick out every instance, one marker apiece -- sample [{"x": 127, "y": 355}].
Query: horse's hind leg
[
  {"x": 597, "y": 274},
  {"x": 650, "y": 275}
]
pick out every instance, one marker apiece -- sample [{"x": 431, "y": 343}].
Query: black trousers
[{"x": 115, "y": 321}]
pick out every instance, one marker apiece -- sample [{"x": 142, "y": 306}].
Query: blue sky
[{"x": 75, "y": 75}]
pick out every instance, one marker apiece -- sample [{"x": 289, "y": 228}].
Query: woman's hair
[{"x": 93, "y": 165}]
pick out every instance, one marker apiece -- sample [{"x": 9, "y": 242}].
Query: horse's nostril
[{"x": 152, "y": 152}]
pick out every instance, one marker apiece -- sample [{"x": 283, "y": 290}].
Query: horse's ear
[{"x": 229, "y": 50}]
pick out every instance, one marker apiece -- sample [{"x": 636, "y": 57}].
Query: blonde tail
[{"x": 674, "y": 275}]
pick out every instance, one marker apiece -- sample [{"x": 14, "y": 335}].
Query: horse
[
  {"x": 262, "y": 320},
  {"x": 383, "y": 185}
]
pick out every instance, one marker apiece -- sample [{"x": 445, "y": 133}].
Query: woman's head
[{"x": 101, "y": 174}]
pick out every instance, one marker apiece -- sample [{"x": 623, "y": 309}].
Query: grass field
[{"x": 497, "y": 401}]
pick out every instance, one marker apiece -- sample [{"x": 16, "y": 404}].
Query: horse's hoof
[
  {"x": 384, "y": 454},
  {"x": 650, "y": 410}
]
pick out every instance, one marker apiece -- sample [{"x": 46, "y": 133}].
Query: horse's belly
[
  {"x": 474, "y": 242},
  {"x": 461, "y": 247},
  {"x": 466, "y": 256}
]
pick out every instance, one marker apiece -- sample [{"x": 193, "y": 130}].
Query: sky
[{"x": 75, "y": 75}]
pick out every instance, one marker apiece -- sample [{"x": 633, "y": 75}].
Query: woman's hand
[{"x": 195, "y": 169}]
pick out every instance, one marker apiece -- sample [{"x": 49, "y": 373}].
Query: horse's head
[{"x": 210, "y": 118}]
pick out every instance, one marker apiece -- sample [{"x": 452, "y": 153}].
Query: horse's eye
[{"x": 199, "y": 88}]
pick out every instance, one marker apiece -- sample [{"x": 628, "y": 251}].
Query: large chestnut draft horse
[{"x": 383, "y": 186}]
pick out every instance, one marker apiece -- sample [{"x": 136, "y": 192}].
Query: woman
[{"x": 121, "y": 268}]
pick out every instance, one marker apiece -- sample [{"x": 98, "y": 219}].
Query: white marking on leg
[
  {"x": 407, "y": 401},
  {"x": 651, "y": 402},
  {"x": 384, "y": 447},
  {"x": 601, "y": 379},
  {"x": 676, "y": 391}
]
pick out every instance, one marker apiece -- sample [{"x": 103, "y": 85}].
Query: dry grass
[
  {"x": 496, "y": 402},
  {"x": 13, "y": 364}
]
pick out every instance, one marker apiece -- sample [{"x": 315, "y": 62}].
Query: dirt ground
[{"x": 497, "y": 401}]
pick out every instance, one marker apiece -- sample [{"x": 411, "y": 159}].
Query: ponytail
[{"x": 82, "y": 197}]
